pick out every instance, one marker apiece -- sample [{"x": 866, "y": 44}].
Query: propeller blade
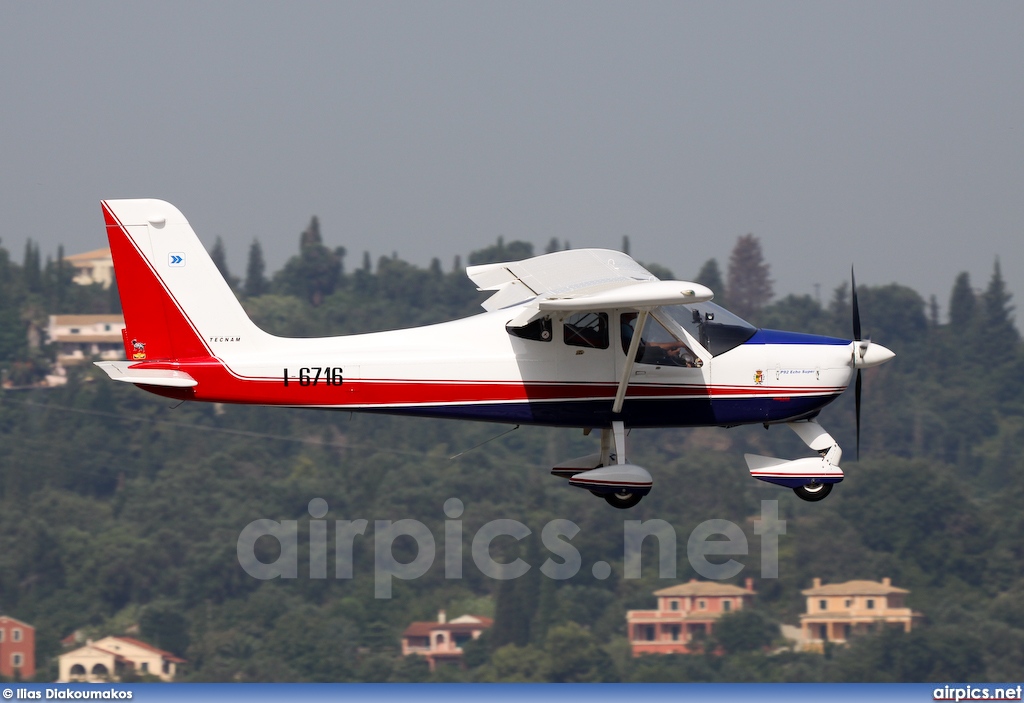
[
  {"x": 856, "y": 308},
  {"x": 856, "y": 403}
]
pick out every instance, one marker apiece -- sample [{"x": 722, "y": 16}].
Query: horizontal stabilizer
[{"x": 123, "y": 371}]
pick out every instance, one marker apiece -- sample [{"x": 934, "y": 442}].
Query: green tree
[
  {"x": 255, "y": 272},
  {"x": 31, "y": 268},
  {"x": 750, "y": 286},
  {"x": 574, "y": 656},
  {"x": 166, "y": 627},
  {"x": 963, "y": 304},
  {"x": 316, "y": 272},
  {"x": 514, "y": 664},
  {"x": 220, "y": 259},
  {"x": 500, "y": 252},
  {"x": 710, "y": 275},
  {"x": 999, "y": 338},
  {"x": 745, "y": 631}
]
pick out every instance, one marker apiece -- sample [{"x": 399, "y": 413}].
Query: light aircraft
[{"x": 557, "y": 346}]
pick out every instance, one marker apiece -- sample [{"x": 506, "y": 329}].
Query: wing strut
[{"x": 627, "y": 370}]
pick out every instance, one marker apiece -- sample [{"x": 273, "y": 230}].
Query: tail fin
[{"x": 176, "y": 303}]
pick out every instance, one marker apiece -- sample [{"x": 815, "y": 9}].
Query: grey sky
[{"x": 888, "y": 135}]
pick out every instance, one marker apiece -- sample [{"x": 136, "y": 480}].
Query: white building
[
  {"x": 111, "y": 658},
  {"x": 95, "y": 266},
  {"x": 82, "y": 337}
]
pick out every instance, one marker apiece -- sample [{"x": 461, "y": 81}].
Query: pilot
[{"x": 674, "y": 353}]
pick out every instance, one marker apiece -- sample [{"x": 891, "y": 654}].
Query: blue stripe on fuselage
[
  {"x": 636, "y": 412},
  {"x": 777, "y": 337}
]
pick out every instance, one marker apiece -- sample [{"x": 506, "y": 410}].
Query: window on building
[
  {"x": 587, "y": 329},
  {"x": 674, "y": 632},
  {"x": 74, "y": 330},
  {"x": 16, "y": 635},
  {"x": 727, "y": 605},
  {"x": 674, "y": 605},
  {"x": 17, "y": 660},
  {"x": 2, "y": 634},
  {"x": 871, "y": 603},
  {"x": 145, "y": 667},
  {"x": 649, "y": 633},
  {"x": 848, "y": 603},
  {"x": 702, "y": 604},
  {"x": 822, "y": 605}
]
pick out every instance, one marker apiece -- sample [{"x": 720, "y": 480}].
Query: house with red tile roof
[
  {"x": 111, "y": 658},
  {"x": 441, "y": 641},
  {"x": 838, "y": 611},
  {"x": 686, "y": 614}
]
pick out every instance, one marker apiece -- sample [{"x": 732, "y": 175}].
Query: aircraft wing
[{"x": 581, "y": 279}]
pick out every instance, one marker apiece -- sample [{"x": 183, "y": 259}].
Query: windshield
[{"x": 717, "y": 329}]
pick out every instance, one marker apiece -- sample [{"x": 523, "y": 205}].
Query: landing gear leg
[
  {"x": 621, "y": 484},
  {"x": 615, "y": 438}
]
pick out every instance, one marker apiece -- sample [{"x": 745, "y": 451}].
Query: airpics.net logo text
[{"x": 712, "y": 539}]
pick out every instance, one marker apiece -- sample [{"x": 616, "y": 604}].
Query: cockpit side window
[
  {"x": 658, "y": 346},
  {"x": 539, "y": 330},
  {"x": 586, "y": 329}
]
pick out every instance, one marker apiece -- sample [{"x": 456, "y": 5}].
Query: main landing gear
[{"x": 606, "y": 473}]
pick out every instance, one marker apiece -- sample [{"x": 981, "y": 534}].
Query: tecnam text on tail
[{"x": 556, "y": 346}]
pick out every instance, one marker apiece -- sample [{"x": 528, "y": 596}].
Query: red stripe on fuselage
[{"x": 217, "y": 383}]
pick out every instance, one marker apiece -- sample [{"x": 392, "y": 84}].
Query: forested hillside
[{"x": 120, "y": 510}]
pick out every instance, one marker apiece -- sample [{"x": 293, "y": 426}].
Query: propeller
[
  {"x": 865, "y": 353},
  {"x": 860, "y": 347}
]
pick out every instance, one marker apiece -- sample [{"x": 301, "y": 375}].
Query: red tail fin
[{"x": 155, "y": 326}]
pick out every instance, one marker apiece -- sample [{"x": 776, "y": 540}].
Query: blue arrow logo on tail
[{"x": 176, "y": 258}]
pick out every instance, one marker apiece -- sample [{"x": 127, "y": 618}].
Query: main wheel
[
  {"x": 813, "y": 492},
  {"x": 623, "y": 499}
]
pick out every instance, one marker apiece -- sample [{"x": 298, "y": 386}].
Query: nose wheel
[
  {"x": 813, "y": 492},
  {"x": 623, "y": 499}
]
